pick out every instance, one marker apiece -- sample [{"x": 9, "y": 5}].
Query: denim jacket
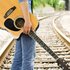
[{"x": 29, "y": 4}]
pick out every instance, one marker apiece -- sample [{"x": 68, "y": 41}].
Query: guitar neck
[
  {"x": 35, "y": 37},
  {"x": 61, "y": 62}
]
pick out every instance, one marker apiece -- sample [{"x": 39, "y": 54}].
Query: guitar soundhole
[
  {"x": 9, "y": 23},
  {"x": 19, "y": 22}
]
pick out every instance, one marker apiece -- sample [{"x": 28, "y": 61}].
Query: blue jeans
[{"x": 24, "y": 54}]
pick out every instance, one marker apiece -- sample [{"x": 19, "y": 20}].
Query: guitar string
[{"x": 43, "y": 44}]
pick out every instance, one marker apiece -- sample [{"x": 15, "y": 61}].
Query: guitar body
[{"x": 12, "y": 19}]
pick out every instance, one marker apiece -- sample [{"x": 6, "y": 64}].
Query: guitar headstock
[{"x": 63, "y": 64}]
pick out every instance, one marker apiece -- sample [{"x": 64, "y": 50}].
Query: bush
[
  {"x": 56, "y": 4},
  {"x": 60, "y": 5}
]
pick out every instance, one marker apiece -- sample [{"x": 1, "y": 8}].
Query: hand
[{"x": 27, "y": 27}]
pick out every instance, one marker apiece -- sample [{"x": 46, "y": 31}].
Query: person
[{"x": 25, "y": 45}]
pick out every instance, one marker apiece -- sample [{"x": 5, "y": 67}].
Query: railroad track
[{"x": 43, "y": 60}]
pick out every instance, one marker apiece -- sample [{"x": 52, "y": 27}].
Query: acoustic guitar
[{"x": 11, "y": 19}]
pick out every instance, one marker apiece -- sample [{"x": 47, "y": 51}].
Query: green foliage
[
  {"x": 60, "y": 6},
  {"x": 38, "y": 3},
  {"x": 53, "y": 3}
]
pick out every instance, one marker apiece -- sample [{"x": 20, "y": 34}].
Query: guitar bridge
[{"x": 9, "y": 11}]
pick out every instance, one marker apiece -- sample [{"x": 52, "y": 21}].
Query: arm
[{"x": 24, "y": 7}]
